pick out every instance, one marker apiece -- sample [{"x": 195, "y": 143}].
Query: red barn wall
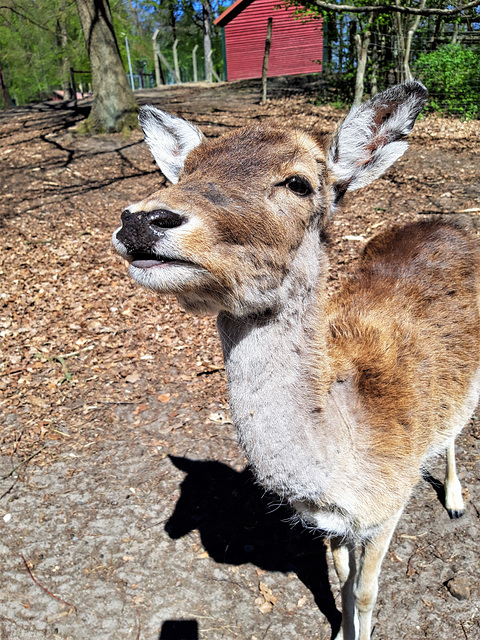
[{"x": 296, "y": 47}]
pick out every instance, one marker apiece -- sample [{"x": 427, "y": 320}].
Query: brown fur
[{"x": 405, "y": 327}]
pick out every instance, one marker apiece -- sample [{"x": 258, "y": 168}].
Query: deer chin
[{"x": 167, "y": 276}]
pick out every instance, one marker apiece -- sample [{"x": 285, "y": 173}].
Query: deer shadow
[{"x": 239, "y": 523}]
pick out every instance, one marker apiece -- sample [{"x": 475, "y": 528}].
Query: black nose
[{"x": 141, "y": 229}]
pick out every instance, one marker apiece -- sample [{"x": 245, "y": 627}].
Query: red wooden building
[{"x": 297, "y": 44}]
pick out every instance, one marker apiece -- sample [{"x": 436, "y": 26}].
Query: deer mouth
[{"x": 143, "y": 260}]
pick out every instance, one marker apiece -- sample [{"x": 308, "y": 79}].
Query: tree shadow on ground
[{"x": 238, "y": 523}]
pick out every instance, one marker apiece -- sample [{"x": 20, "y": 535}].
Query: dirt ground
[{"x": 126, "y": 511}]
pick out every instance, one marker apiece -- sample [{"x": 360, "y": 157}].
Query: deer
[{"x": 339, "y": 400}]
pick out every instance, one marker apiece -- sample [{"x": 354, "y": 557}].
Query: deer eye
[{"x": 300, "y": 186}]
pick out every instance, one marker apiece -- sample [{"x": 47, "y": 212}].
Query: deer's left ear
[
  {"x": 169, "y": 138},
  {"x": 370, "y": 139}
]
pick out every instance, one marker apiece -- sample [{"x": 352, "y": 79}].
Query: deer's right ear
[{"x": 169, "y": 138}]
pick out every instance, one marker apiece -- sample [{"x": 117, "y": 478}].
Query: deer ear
[
  {"x": 170, "y": 139},
  {"x": 370, "y": 139}
]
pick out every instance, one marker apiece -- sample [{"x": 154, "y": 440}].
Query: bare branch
[
  {"x": 29, "y": 18},
  {"x": 386, "y": 8}
]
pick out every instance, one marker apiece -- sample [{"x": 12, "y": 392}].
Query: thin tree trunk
[
  {"x": 436, "y": 32},
  {"x": 361, "y": 43},
  {"x": 173, "y": 24},
  {"x": 207, "y": 39},
  {"x": 400, "y": 45},
  {"x": 408, "y": 44},
  {"x": 340, "y": 44},
  {"x": 68, "y": 93},
  {"x": 114, "y": 106},
  {"x": 268, "y": 42},
  {"x": 7, "y": 100},
  {"x": 374, "y": 68},
  {"x": 455, "y": 33}
]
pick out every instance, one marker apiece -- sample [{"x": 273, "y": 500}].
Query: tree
[
  {"x": 114, "y": 107},
  {"x": 7, "y": 100},
  {"x": 62, "y": 40},
  {"x": 207, "y": 39},
  {"x": 39, "y": 42}
]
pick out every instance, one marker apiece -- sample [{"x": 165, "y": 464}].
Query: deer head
[{"x": 226, "y": 234}]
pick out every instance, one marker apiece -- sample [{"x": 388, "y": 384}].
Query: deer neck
[{"x": 269, "y": 370}]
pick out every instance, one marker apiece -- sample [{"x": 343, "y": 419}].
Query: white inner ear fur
[
  {"x": 169, "y": 138},
  {"x": 361, "y": 149}
]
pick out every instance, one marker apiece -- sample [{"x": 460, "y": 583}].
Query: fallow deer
[{"x": 338, "y": 401}]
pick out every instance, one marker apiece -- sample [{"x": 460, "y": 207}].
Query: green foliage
[
  {"x": 31, "y": 48},
  {"x": 452, "y": 76}
]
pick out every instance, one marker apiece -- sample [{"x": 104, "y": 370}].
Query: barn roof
[{"x": 232, "y": 11}]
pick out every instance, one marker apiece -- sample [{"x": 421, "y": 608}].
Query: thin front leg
[
  {"x": 367, "y": 584},
  {"x": 344, "y": 560},
  {"x": 453, "y": 489}
]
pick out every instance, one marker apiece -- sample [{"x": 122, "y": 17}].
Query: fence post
[
  {"x": 194, "y": 60},
  {"x": 175, "y": 61},
  {"x": 268, "y": 42},
  {"x": 214, "y": 73}
]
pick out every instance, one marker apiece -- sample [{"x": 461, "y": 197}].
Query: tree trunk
[
  {"x": 207, "y": 39},
  {"x": 408, "y": 43},
  {"x": 266, "y": 55},
  {"x": 455, "y": 33},
  {"x": 374, "y": 80},
  {"x": 436, "y": 33},
  {"x": 405, "y": 32},
  {"x": 7, "y": 100},
  {"x": 361, "y": 43},
  {"x": 114, "y": 107},
  {"x": 68, "y": 92},
  {"x": 340, "y": 44},
  {"x": 400, "y": 68}
]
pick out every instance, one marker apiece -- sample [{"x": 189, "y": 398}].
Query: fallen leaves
[
  {"x": 133, "y": 377},
  {"x": 266, "y": 601}
]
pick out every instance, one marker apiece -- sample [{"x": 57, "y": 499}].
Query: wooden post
[
  {"x": 175, "y": 61},
  {"x": 194, "y": 60},
  {"x": 268, "y": 42}
]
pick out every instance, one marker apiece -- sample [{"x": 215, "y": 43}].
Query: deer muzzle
[{"x": 141, "y": 230}]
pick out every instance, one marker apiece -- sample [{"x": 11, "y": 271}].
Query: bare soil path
[{"x": 126, "y": 511}]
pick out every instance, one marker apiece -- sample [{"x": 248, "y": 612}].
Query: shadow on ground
[
  {"x": 179, "y": 630},
  {"x": 239, "y": 523}
]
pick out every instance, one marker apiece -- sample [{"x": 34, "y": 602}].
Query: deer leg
[
  {"x": 366, "y": 589},
  {"x": 453, "y": 489},
  {"x": 344, "y": 560}
]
